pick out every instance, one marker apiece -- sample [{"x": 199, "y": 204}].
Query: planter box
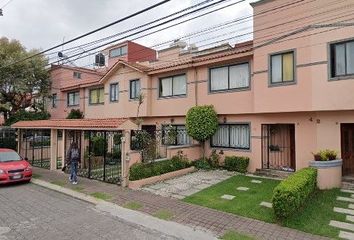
[
  {"x": 329, "y": 173},
  {"x": 151, "y": 180}
]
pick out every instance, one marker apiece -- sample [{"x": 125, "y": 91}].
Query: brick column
[
  {"x": 63, "y": 153},
  {"x": 53, "y": 149}
]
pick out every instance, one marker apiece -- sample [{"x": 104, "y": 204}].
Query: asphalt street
[{"x": 30, "y": 212}]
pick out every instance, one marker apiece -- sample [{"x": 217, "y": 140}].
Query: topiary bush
[
  {"x": 292, "y": 193},
  {"x": 201, "y": 123},
  {"x": 235, "y": 163},
  {"x": 145, "y": 170}
]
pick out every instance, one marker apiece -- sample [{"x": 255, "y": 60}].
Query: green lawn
[
  {"x": 231, "y": 235},
  {"x": 314, "y": 218}
]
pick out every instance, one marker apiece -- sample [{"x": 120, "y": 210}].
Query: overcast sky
[{"x": 44, "y": 23}]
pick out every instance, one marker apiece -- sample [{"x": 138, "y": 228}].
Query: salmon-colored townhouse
[{"x": 280, "y": 97}]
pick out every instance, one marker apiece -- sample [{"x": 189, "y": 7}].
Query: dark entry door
[
  {"x": 347, "y": 142},
  {"x": 278, "y": 147}
]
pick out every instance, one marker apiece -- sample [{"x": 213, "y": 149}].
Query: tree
[
  {"x": 21, "y": 82},
  {"x": 201, "y": 123},
  {"x": 75, "y": 114}
]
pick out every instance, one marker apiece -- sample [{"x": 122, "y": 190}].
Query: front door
[
  {"x": 347, "y": 146},
  {"x": 278, "y": 147}
]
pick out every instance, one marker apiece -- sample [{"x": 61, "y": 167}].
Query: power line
[
  {"x": 8, "y": 2},
  {"x": 96, "y": 30}
]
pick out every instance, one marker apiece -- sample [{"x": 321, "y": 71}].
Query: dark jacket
[{"x": 68, "y": 159}]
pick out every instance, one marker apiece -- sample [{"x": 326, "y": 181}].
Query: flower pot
[{"x": 329, "y": 173}]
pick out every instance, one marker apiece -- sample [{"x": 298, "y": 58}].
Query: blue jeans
[{"x": 73, "y": 171}]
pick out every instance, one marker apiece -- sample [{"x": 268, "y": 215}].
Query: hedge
[
  {"x": 238, "y": 164},
  {"x": 145, "y": 170},
  {"x": 292, "y": 193}
]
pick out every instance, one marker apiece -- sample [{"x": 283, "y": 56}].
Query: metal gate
[
  {"x": 35, "y": 146},
  {"x": 101, "y": 154},
  {"x": 8, "y": 138},
  {"x": 347, "y": 148},
  {"x": 278, "y": 147}
]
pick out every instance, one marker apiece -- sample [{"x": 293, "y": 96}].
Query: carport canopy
[{"x": 79, "y": 124}]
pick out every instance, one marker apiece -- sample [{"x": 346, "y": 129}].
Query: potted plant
[{"x": 329, "y": 168}]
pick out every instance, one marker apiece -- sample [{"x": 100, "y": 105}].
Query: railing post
[
  {"x": 63, "y": 153},
  {"x": 125, "y": 157},
  {"x": 53, "y": 148}
]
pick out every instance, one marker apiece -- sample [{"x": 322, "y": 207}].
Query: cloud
[{"x": 42, "y": 23}]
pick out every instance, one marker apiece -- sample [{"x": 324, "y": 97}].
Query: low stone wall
[
  {"x": 329, "y": 173},
  {"x": 151, "y": 180}
]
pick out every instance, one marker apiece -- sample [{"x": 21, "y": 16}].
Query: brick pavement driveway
[{"x": 28, "y": 211}]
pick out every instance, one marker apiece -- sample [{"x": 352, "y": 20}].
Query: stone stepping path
[
  {"x": 266, "y": 204},
  {"x": 346, "y": 235},
  {"x": 350, "y": 218},
  {"x": 347, "y": 191},
  {"x": 344, "y": 210},
  {"x": 342, "y": 225},
  {"x": 351, "y": 206},
  {"x": 345, "y": 199},
  {"x": 227, "y": 197},
  {"x": 256, "y": 181},
  {"x": 242, "y": 188}
]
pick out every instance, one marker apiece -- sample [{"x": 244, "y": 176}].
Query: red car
[{"x": 13, "y": 168}]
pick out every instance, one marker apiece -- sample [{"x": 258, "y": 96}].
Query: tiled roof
[
  {"x": 198, "y": 59},
  {"x": 79, "y": 84},
  {"x": 87, "y": 124}
]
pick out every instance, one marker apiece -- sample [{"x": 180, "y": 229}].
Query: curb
[{"x": 167, "y": 227}]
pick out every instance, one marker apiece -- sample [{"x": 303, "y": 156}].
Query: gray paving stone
[
  {"x": 342, "y": 225},
  {"x": 346, "y": 235},
  {"x": 242, "y": 188},
  {"x": 202, "y": 186},
  {"x": 351, "y": 206},
  {"x": 347, "y": 191},
  {"x": 227, "y": 197},
  {"x": 266, "y": 204},
  {"x": 350, "y": 218},
  {"x": 256, "y": 181},
  {"x": 189, "y": 192},
  {"x": 343, "y": 210},
  {"x": 345, "y": 199}
]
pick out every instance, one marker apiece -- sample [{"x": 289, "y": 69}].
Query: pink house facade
[{"x": 280, "y": 97}]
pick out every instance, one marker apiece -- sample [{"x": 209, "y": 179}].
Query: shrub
[
  {"x": 325, "y": 155},
  {"x": 214, "y": 159},
  {"x": 292, "y": 193},
  {"x": 202, "y": 163},
  {"x": 23, "y": 115},
  {"x": 99, "y": 145},
  {"x": 144, "y": 170},
  {"x": 238, "y": 164},
  {"x": 75, "y": 114},
  {"x": 201, "y": 123}
]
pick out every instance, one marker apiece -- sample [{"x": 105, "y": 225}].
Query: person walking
[{"x": 72, "y": 159}]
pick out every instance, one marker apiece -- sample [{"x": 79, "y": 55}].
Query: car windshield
[{"x": 9, "y": 157}]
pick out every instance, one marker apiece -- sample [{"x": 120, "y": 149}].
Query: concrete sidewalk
[{"x": 197, "y": 217}]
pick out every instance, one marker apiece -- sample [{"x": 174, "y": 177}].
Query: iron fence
[{"x": 8, "y": 138}]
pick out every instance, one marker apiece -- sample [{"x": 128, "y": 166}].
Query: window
[
  {"x": 232, "y": 136},
  {"x": 134, "y": 89},
  {"x": 342, "y": 59},
  {"x": 96, "y": 96},
  {"x": 54, "y": 100},
  {"x": 173, "y": 86},
  {"x": 113, "y": 92},
  {"x": 77, "y": 75},
  {"x": 73, "y": 99},
  {"x": 117, "y": 52},
  {"x": 230, "y": 77},
  {"x": 282, "y": 68},
  {"x": 175, "y": 135}
]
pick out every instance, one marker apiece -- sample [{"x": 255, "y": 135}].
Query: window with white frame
[
  {"x": 282, "y": 68},
  {"x": 134, "y": 89},
  {"x": 342, "y": 59},
  {"x": 230, "y": 77},
  {"x": 73, "y": 98},
  {"x": 173, "y": 86},
  {"x": 235, "y": 136},
  {"x": 114, "y": 92},
  {"x": 117, "y": 52},
  {"x": 175, "y": 135}
]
